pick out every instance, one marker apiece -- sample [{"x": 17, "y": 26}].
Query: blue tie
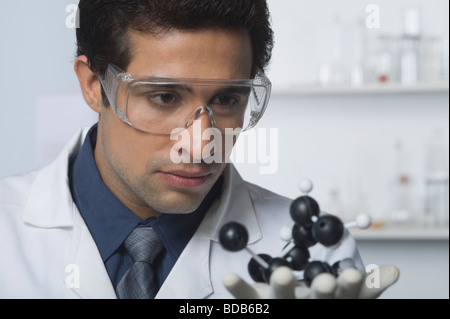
[{"x": 144, "y": 246}]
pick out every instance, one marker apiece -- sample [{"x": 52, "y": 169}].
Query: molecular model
[{"x": 309, "y": 229}]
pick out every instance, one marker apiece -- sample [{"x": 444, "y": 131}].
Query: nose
[
  {"x": 201, "y": 127},
  {"x": 198, "y": 113}
]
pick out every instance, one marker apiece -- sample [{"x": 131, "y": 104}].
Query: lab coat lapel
[
  {"x": 235, "y": 205},
  {"x": 50, "y": 201},
  {"x": 190, "y": 277},
  {"x": 94, "y": 282},
  {"x": 50, "y": 205}
]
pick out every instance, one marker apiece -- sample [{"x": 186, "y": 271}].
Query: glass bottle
[
  {"x": 410, "y": 47},
  {"x": 401, "y": 211},
  {"x": 436, "y": 210}
]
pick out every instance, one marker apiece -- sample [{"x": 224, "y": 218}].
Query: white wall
[{"x": 36, "y": 56}]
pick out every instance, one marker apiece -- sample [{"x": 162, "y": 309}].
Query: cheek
[
  {"x": 141, "y": 153},
  {"x": 228, "y": 142},
  {"x": 130, "y": 149}
]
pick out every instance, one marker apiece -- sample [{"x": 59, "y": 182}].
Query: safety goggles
[{"x": 160, "y": 105}]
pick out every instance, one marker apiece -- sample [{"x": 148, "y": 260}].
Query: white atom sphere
[
  {"x": 305, "y": 185},
  {"x": 286, "y": 233},
  {"x": 363, "y": 221}
]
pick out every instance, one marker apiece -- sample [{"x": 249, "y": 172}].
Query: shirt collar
[{"x": 110, "y": 221}]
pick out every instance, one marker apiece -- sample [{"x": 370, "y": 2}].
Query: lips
[{"x": 185, "y": 179}]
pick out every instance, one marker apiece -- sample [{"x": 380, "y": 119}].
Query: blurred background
[{"x": 360, "y": 106}]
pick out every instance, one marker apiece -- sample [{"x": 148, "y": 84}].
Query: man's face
[{"x": 136, "y": 165}]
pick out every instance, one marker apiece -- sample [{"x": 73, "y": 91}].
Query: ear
[{"x": 89, "y": 83}]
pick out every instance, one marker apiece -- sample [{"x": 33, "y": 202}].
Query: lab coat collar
[
  {"x": 94, "y": 281},
  {"x": 234, "y": 204},
  {"x": 50, "y": 194},
  {"x": 50, "y": 205}
]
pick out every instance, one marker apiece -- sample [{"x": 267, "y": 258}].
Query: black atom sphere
[
  {"x": 328, "y": 230},
  {"x": 233, "y": 236},
  {"x": 302, "y": 209}
]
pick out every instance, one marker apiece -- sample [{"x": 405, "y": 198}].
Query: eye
[
  {"x": 163, "y": 98},
  {"x": 226, "y": 100}
]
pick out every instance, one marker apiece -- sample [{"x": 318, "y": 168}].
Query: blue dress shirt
[{"x": 110, "y": 221}]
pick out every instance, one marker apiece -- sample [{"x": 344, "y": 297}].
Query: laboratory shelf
[
  {"x": 401, "y": 233},
  {"x": 388, "y": 88}
]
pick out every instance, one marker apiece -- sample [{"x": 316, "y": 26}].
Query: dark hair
[{"x": 104, "y": 24}]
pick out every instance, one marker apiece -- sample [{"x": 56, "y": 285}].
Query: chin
[{"x": 177, "y": 203}]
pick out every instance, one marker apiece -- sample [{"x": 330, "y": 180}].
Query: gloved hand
[{"x": 350, "y": 284}]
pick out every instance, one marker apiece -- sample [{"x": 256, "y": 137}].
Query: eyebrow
[
  {"x": 170, "y": 86},
  {"x": 242, "y": 90}
]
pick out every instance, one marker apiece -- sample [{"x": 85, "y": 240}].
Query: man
[{"x": 159, "y": 74}]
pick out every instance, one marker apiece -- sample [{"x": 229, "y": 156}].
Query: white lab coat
[{"x": 47, "y": 251}]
